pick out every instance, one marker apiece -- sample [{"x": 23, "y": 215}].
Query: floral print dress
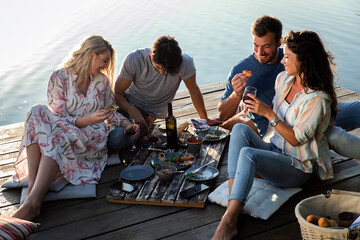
[{"x": 80, "y": 153}]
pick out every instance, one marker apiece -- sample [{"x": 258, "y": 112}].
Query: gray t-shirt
[{"x": 150, "y": 90}]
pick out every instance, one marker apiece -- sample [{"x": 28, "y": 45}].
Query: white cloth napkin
[{"x": 200, "y": 125}]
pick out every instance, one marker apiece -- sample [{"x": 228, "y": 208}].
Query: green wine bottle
[{"x": 171, "y": 132}]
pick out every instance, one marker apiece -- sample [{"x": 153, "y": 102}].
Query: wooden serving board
[{"x": 154, "y": 191}]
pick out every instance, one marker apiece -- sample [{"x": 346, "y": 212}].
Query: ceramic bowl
[{"x": 165, "y": 172}]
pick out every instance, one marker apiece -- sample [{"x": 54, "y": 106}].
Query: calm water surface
[{"x": 37, "y": 35}]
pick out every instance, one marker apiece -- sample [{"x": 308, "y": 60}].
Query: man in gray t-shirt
[{"x": 149, "y": 78}]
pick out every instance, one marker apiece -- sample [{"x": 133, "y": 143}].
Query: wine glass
[
  {"x": 131, "y": 132},
  {"x": 247, "y": 90}
]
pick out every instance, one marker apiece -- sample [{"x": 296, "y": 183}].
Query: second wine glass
[{"x": 131, "y": 132}]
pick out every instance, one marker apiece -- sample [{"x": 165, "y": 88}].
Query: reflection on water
[{"x": 37, "y": 35}]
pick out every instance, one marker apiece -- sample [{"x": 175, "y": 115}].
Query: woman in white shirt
[{"x": 294, "y": 146}]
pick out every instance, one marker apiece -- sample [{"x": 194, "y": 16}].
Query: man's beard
[{"x": 266, "y": 61}]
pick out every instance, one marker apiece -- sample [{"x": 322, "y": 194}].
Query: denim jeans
[
  {"x": 118, "y": 140},
  {"x": 347, "y": 119},
  {"x": 248, "y": 154}
]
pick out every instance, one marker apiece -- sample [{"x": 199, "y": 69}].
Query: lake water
[{"x": 37, "y": 35}]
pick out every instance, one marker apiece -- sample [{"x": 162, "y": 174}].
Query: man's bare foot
[
  {"x": 225, "y": 231},
  {"x": 27, "y": 211}
]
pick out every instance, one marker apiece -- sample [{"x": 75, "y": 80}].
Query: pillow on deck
[
  {"x": 56, "y": 186},
  {"x": 68, "y": 192},
  {"x": 15, "y": 228},
  {"x": 263, "y": 200}
]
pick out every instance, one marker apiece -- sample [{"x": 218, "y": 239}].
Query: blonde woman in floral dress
[{"x": 68, "y": 137}]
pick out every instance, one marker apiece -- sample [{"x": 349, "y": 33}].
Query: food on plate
[
  {"x": 162, "y": 156},
  {"x": 247, "y": 73},
  {"x": 213, "y": 135},
  {"x": 325, "y": 222},
  {"x": 177, "y": 159},
  {"x": 194, "y": 175},
  {"x": 185, "y": 163},
  {"x": 186, "y": 157},
  {"x": 112, "y": 108}
]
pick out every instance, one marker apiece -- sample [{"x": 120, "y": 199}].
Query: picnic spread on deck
[{"x": 150, "y": 189}]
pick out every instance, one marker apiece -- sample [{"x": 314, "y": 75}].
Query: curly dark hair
[
  {"x": 317, "y": 67},
  {"x": 166, "y": 52}
]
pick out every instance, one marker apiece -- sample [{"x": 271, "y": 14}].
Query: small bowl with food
[
  {"x": 194, "y": 144},
  {"x": 165, "y": 172}
]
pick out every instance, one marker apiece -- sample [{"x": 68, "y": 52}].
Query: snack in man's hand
[
  {"x": 247, "y": 73},
  {"x": 112, "y": 107}
]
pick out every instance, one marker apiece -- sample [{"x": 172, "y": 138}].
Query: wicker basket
[{"x": 329, "y": 205}]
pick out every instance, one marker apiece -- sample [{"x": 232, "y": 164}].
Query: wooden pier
[{"x": 97, "y": 218}]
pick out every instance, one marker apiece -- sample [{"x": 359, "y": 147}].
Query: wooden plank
[
  {"x": 167, "y": 225},
  {"x": 285, "y": 232},
  {"x": 9, "y": 147},
  {"x": 96, "y": 225},
  {"x": 11, "y": 132}
]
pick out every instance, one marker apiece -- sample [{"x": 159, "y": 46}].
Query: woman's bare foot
[
  {"x": 28, "y": 210},
  {"x": 226, "y": 229}
]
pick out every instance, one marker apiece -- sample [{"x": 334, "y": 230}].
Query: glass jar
[{"x": 345, "y": 219}]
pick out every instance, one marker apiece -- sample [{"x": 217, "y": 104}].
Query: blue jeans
[
  {"x": 248, "y": 154},
  {"x": 118, "y": 140},
  {"x": 341, "y": 141}
]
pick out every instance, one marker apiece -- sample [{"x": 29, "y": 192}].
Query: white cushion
[
  {"x": 68, "y": 192},
  {"x": 56, "y": 186},
  {"x": 263, "y": 200}
]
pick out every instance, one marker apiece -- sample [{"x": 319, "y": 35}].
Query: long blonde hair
[{"x": 80, "y": 61}]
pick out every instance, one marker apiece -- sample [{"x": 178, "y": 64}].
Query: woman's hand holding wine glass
[
  {"x": 132, "y": 130},
  {"x": 254, "y": 105},
  {"x": 247, "y": 90}
]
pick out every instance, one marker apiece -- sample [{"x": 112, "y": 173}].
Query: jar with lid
[{"x": 345, "y": 219}]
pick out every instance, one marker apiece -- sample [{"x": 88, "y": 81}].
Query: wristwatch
[{"x": 274, "y": 122}]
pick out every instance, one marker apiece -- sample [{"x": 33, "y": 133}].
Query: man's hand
[
  {"x": 139, "y": 119},
  {"x": 239, "y": 82},
  {"x": 214, "y": 121}
]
